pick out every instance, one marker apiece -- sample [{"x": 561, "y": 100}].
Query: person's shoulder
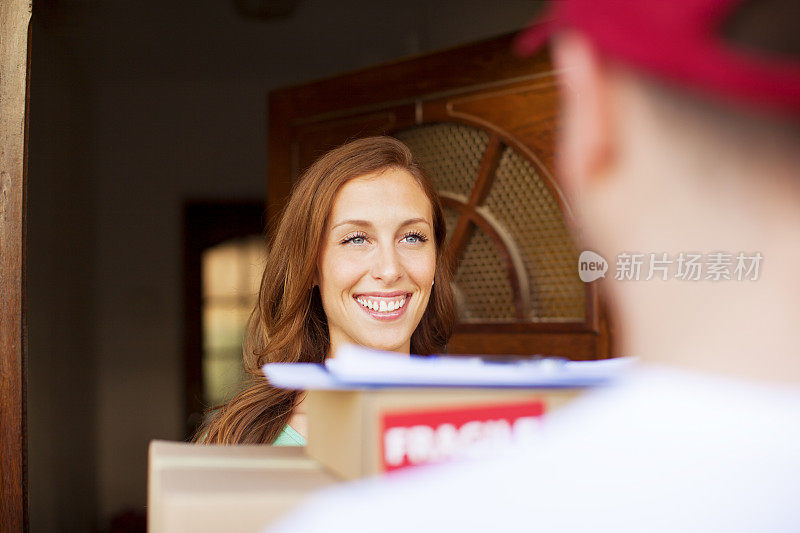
[
  {"x": 658, "y": 407},
  {"x": 289, "y": 437}
]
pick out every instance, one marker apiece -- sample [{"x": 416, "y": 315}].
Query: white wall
[{"x": 135, "y": 108}]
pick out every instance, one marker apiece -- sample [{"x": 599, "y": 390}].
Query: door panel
[{"x": 314, "y": 137}]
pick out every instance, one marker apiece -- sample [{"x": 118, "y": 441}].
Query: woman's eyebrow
[
  {"x": 367, "y": 223},
  {"x": 353, "y": 222},
  {"x": 414, "y": 221}
]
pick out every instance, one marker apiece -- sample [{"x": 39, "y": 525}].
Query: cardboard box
[
  {"x": 194, "y": 488},
  {"x": 357, "y": 433}
]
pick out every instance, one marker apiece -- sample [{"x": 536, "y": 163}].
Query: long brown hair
[{"x": 288, "y": 323}]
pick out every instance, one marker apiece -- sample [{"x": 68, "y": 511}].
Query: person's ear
[{"x": 586, "y": 137}]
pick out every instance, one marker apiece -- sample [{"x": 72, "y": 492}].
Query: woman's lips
[{"x": 383, "y": 306}]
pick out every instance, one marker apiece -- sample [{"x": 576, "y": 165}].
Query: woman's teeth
[{"x": 382, "y": 306}]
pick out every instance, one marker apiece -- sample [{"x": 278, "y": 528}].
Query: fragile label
[{"x": 432, "y": 435}]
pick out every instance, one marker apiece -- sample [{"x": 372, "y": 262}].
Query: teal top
[{"x": 289, "y": 437}]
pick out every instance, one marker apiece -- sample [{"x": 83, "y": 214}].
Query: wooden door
[{"x": 482, "y": 123}]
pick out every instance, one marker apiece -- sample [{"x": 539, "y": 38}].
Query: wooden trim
[
  {"x": 483, "y": 182},
  {"x": 524, "y": 327},
  {"x": 471, "y": 217},
  {"x": 401, "y": 81},
  {"x": 14, "y": 101},
  {"x": 518, "y": 284},
  {"x": 486, "y": 170},
  {"x": 578, "y": 346}
]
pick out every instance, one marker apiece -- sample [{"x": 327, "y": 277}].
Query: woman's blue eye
[
  {"x": 414, "y": 238},
  {"x": 355, "y": 239}
]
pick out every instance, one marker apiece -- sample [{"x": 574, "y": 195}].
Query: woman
[{"x": 358, "y": 256}]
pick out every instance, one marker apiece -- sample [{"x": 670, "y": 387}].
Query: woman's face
[{"x": 378, "y": 259}]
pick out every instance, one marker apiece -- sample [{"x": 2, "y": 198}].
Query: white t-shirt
[{"x": 663, "y": 450}]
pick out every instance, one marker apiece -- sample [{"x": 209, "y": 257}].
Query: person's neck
[
  {"x": 338, "y": 341},
  {"x": 737, "y": 328},
  {"x": 677, "y": 182}
]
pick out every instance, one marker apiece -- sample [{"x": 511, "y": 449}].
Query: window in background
[
  {"x": 231, "y": 273},
  {"x": 223, "y": 247}
]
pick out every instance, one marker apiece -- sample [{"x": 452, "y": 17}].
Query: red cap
[{"x": 678, "y": 40}]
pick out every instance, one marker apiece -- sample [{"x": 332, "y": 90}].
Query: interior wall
[
  {"x": 60, "y": 268},
  {"x": 204, "y": 150},
  {"x": 136, "y": 108}
]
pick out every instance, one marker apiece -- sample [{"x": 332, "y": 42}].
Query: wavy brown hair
[{"x": 288, "y": 323}]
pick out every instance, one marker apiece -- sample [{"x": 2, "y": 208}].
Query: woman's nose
[{"x": 387, "y": 265}]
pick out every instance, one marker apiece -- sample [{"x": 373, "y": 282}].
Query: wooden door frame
[{"x": 15, "y": 18}]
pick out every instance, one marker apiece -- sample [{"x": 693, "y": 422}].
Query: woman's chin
[{"x": 388, "y": 345}]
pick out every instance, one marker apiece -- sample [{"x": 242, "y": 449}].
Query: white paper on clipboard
[{"x": 359, "y": 367}]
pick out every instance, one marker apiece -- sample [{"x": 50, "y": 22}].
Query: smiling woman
[
  {"x": 376, "y": 272},
  {"x": 357, "y": 257}
]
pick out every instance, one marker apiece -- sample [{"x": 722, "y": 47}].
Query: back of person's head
[
  {"x": 680, "y": 134},
  {"x": 699, "y": 158},
  {"x": 717, "y": 125},
  {"x": 725, "y": 72}
]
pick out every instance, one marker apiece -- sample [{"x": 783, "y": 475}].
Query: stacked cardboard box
[
  {"x": 352, "y": 434},
  {"x": 234, "y": 489},
  {"x": 357, "y": 433}
]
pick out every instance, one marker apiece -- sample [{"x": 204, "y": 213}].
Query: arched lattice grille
[
  {"x": 523, "y": 204},
  {"x": 484, "y": 291},
  {"x": 450, "y": 153},
  {"x": 517, "y": 261}
]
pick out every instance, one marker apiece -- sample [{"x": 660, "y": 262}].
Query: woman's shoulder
[{"x": 289, "y": 437}]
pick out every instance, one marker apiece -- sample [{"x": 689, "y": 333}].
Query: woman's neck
[
  {"x": 298, "y": 421},
  {"x": 405, "y": 348}
]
